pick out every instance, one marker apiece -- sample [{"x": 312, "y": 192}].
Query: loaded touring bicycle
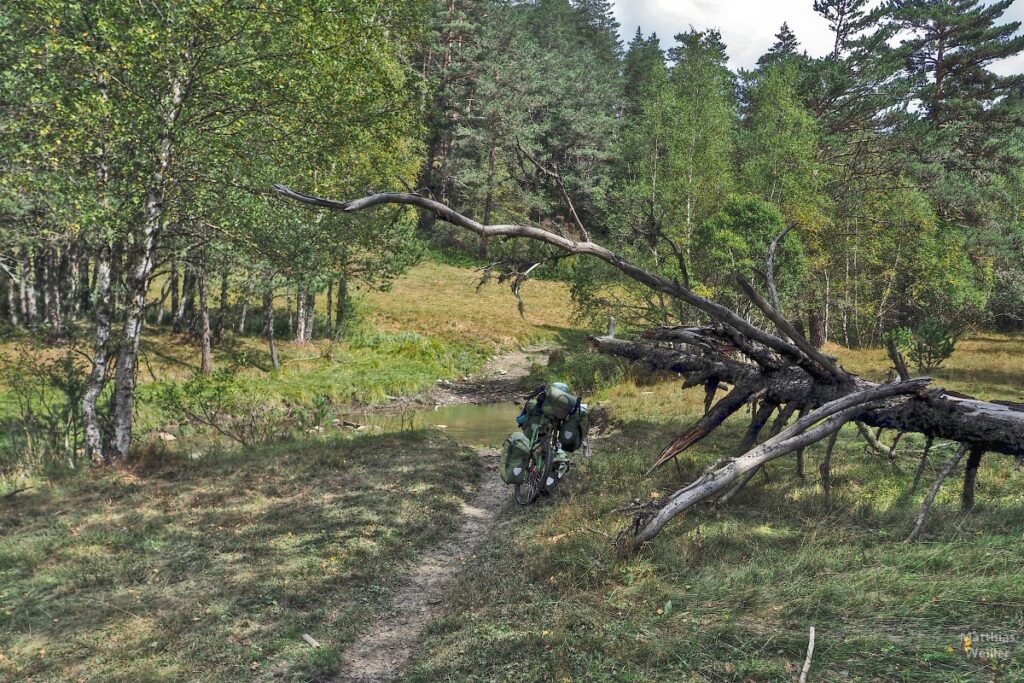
[{"x": 552, "y": 424}]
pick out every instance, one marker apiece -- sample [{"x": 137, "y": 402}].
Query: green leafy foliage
[
  {"x": 928, "y": 345},
  {"x": 220, "y": 402},
  {"x": 40, "y": 410}
]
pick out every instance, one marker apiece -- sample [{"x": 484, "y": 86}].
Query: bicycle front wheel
[{"x": 534, "y": 483}]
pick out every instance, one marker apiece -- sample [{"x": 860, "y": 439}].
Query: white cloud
[{"x": 749, "y": 26}]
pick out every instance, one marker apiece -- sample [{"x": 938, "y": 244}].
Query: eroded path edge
[{"x": 383, "y": 651}]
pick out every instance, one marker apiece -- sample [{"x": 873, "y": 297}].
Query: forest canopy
[{"x": 139, "y": 143}]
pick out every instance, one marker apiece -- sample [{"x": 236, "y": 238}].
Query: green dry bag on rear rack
[
  {"x": 515, "y": 456},
  {"x": 558, "y": 402},
  {"x": 531, "y": 418},
  {"x": 574, "y": 429}
]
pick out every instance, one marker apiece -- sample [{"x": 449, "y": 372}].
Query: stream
[{"x": 468, "y": 424}]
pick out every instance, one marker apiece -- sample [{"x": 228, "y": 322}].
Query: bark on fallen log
[
  {"x": 816, "y": 425},
  {"x": 993, "y": 427}
]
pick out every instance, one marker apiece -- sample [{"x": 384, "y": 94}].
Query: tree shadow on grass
[{"x": 215, "y": 574}]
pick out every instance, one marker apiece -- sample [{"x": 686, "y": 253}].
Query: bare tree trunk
[
  {"x": 13, "y": 304},
  {"x": 175, "y": 303},
  {"x": 245, "y": 304},
  {"x": 206, "y": 362},
  {"x": 162, "y": 310},
  {"x": 310, "y": 315},
  {"x": 74, "y": 280},
  {"x": 268, "y": 326},
  {"x": 138, "y": 281},
  {"x": 222, "y": 310},
  {"x": 300, "y": 316},
  {"x": 52, "y": 284},
  {"x": 818, "y": 329},
  {"x": 95, "y": 448},
  {"x": 489, "y": 200},
  {"x": 288, "y": 307},
  {"x": 26, "y": 275},
  {"x": 341, "y": 305},
  {"x": 188, "y": 301},
  {"x": 185, "y": 301},
  {"x": 328, "y": 327},
  {"x": 85, "y": 289}
]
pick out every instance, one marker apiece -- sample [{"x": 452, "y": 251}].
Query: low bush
[
  {"x": 928, "y": 345},
  {"x": 586, "y": 372},
  {"x": 219, "y": 402},
  {"x": 41, "y": 420}
]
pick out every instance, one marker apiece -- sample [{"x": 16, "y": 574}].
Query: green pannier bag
[
  {"x": 574, "y": 429},
  {"x": 533, "y": 417},
  {"x": 559, "y": 467},
  {"x": 558, "y": 402},
  {"x": 514, "y": 458}
]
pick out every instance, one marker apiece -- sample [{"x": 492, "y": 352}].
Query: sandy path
[
  {"x": 500, "y": 380},
  {"x": 382, "y": 652}
]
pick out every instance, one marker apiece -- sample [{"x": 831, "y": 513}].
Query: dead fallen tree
[
  {"x": 994, "y": 427},
  {"x": 782, "y": 373}
]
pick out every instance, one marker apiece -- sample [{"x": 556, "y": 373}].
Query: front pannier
[{"x": 515, "y": 458}]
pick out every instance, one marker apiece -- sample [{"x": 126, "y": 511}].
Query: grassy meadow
[
  {"x": 433, "y": 324},
  {"x": 212, "y": 569},
  {"x": 728, "y": 593}
]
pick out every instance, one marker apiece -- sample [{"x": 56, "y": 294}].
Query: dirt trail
[
  {"x": 382, "y": 652},
  {"x": 500, "y": 380}
]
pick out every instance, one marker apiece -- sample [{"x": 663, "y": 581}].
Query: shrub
[
  {"x": 218, "y": 401},
  {"x": 585, "y": 372},
  {"x": 928, "y": 345},
  {"x": 42, "y": 422}
]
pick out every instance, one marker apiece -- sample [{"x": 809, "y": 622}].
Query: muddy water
[{"x": 469, "y": 424}]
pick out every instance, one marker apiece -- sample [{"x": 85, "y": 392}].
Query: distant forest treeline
[
  {"x": 896, "y": 157},
  {"x": 138, "y": 143}
]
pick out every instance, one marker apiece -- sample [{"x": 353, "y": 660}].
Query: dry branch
[
  {"x": 930, "y": 498},
  {"x": 924, "y": 463},
  {"x": 813, "y": 427},
  {"x": 674, "y": 289},
  {"x": 807, "y": 660},
  {"x": 997, "y": 427},
  {"x": 786, "y": 371}
]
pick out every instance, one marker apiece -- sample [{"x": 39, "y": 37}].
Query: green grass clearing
[
  {"x": 728, "y": 593},
  {"x": 213, "y": 570}
]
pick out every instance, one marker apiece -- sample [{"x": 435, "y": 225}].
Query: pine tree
[
  {"x": 846, "y": 19},
  {"x": 951, "y": 46},
  {"x": 785, "y": 47},
  {"x": 643, "y": 58}
]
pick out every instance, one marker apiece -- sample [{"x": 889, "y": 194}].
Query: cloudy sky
[{"x": 748, "y": 26}]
